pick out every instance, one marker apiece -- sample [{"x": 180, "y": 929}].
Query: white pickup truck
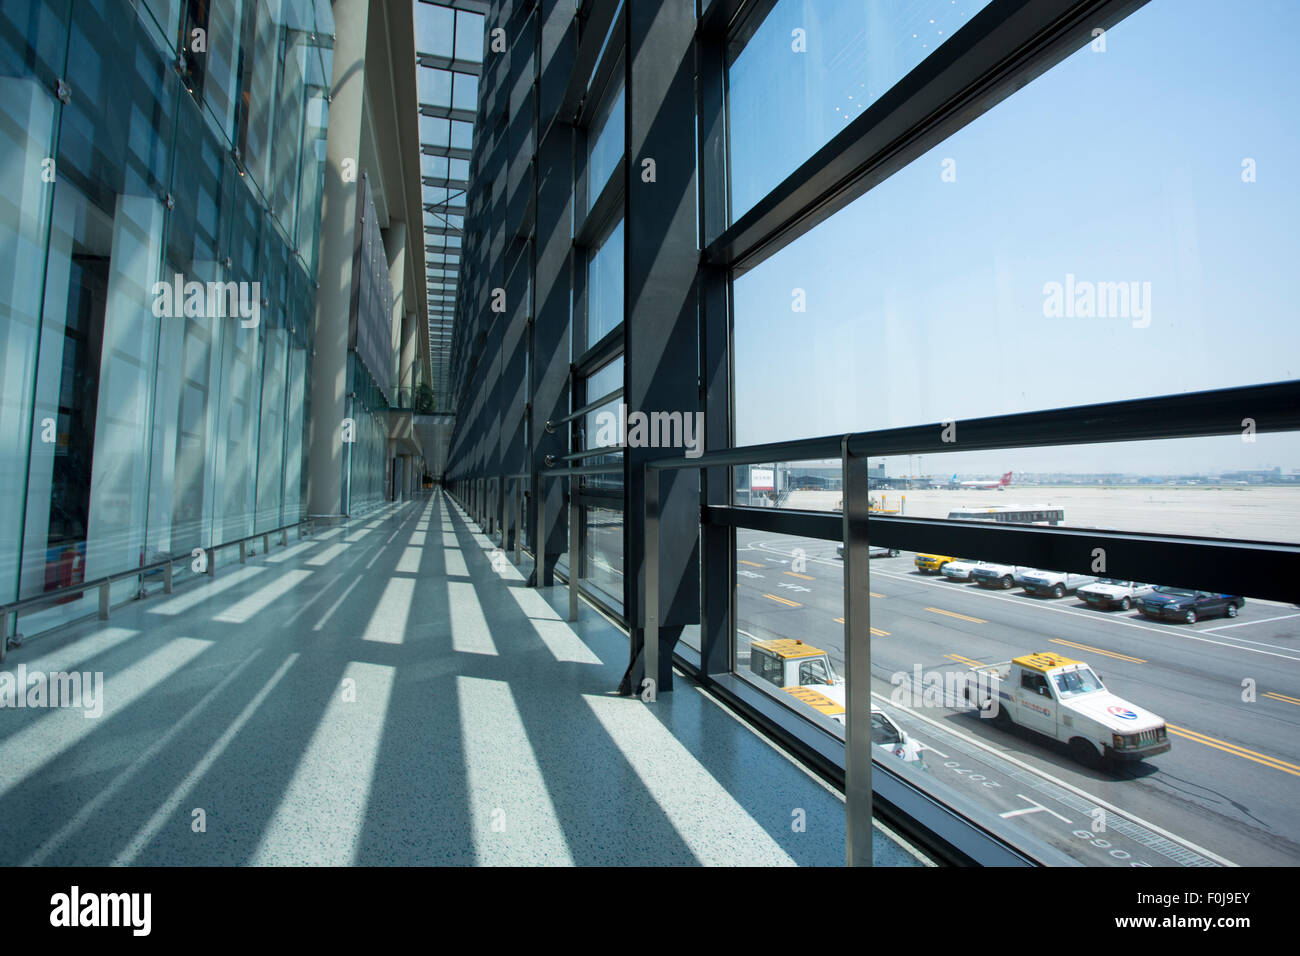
[
  {"x": 1065, "y": 700},
  {"x": 1055, "y": 584},
  {"x": 805, "y": 673}
]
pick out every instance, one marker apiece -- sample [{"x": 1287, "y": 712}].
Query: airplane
[{"x": 989, "y": 485}]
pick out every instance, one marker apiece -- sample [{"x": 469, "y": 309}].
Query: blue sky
[{"x": 924, "y": 298}]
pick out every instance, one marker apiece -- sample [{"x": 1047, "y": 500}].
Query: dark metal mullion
[
  {"x": 604, "y": 77},
  {"x": 594, "y": 29},
  {"x": 1274, "y": 407},
  {"x": 599, "y": 221},
  {"x": 602, "y": 353},
  {"x": 1257, "y": 569}
]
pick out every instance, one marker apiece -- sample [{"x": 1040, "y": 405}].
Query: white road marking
[
  {"x": 1224, "y": 627},
  {"x": 1077, "y": 791},
  {"x": 1036, "y": 808},
  {"x": 1092, "y": 616}
]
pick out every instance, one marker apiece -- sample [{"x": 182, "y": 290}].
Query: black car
[{"x": 1188, "y": 606}]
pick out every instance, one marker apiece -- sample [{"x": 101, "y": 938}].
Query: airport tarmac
[{"x": 1255, "y": 513}]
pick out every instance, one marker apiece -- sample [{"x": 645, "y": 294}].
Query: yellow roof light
[
  {"x": 787, "y": 648},
  {"x": 1044, "y": 661}
]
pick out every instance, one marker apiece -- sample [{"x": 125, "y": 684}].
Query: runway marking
[
  {"x": 1057, "y": 781},
  {"x": 1282, "y": 697},
  {"x": 964, "y": 617},
  {"x": 875, "y": 630},
  {"x": 781, "y": 600},
  {"x": 1224, "y": 627},
  {"x": 1098, "y": 650},
  {"x": 961, "y": 659},
  {"x": 875, "y": 595},
  {"x": 796, "y": 574},
  {"x": 1237, "y": 751},
  {"x": 1036, "y": 808},
  {"x": 752, "y": 564}
]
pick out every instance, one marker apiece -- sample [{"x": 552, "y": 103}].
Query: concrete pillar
[
  {"x": 395, "y": 251},
  {"x": 338, "y": 235},
  {"x": 407, "y": 365}
]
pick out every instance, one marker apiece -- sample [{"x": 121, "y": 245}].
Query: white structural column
[{"x": 337, "y": 239}]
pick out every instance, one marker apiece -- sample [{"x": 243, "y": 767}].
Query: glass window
[
  {"x": 434, "y": 26},
  {"x": 607, "y": 145},
  {"x": 1041, "y": 293},
  {"x": 605, "y": 287},
  {"x": 814, "y": 65},
  {"x": 469, "y": 36}
]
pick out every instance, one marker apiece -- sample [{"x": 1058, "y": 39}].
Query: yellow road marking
[
  {"x": 1098, "y": 650},
  {"x": 1235, "y": 750},
  {"x": 1284, "y": 697},
  {"x": 973, "y": 620},
  {"x": 752, "y": 564},
  {"x": 875, "y": 630},
  {"x": 796, "y": 574},
  {"x": 781, "y": 600},
  {"x": 960, "y": 659},
  {"x": 874, "y": 594}
]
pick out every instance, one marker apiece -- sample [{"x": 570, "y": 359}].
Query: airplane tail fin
[{"x": 1006, "y": 479}]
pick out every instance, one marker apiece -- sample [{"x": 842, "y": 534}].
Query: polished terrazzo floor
[{"x": 379, "y": 694}]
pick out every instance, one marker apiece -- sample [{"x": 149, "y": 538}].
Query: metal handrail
[
  {"x": 1274, "y": 407},
  {"x": 104, "y": 583},
  {"x": 552, "y": 424},
  {"x": 593, "y": 452}
]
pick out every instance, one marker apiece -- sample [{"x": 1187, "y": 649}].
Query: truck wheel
[
  {"x": 1084, "y": 752},
  {"x": 1058, "y": 591},
  {"x": 1232, "y": 610},
  {"x": 1007, "y": 583},
  {"x": 1125, "y": 604},
  {"x": 1190, "y": 617}
]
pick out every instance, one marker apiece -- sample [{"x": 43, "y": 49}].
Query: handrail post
[
  {"x": 519, "y": 520},
  {"x": 650, "y": 632},
  {"x": 168, "y": 575},
  {"x": 212, "y": 562},
  {"x": 105, "y": 600},
  {"x": 575, "y": 548},
  {"x": 857, "y": 658},
  {"x": 243, "y": 554},
  {"x": 539, "y": 543}
]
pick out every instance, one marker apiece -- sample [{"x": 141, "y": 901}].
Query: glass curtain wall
[{"x": 158, "y": 260}]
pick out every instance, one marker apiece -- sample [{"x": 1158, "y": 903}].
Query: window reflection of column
[
  {"x": 68, "y": 375},
  {"x": 26, "y": 132},
  {"x": 119, "y": 484}
]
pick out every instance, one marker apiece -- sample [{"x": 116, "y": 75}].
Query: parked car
[
  {"x": 932, "y": 563},
  {"x": 959, "y": 570},
  {"x": 873, "y": 551},
  {"x": 1114, "y": 593},
  {"x": 1056, "y": 584},
  {"x": 1005, "y": 576},
  {"x": 1188, "y": 606}
]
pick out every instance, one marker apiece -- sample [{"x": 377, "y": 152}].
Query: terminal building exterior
[{"x": 472, "y": 350}]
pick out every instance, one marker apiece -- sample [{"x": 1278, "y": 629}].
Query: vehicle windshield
[
  {"x": 1181, "y": 592},
  {"x": 1115, "y": 581},
  {"x": 883, "y": 732},
  {"x": 1076, "y": 682}
]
